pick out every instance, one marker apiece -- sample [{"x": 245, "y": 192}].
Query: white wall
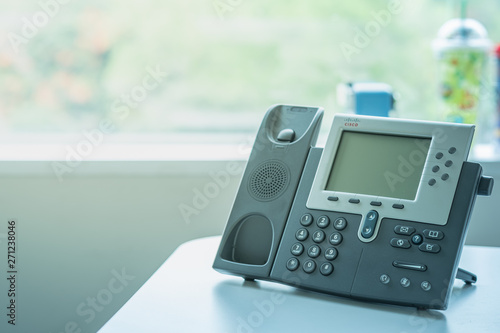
[{"x": 75, "y": 236}]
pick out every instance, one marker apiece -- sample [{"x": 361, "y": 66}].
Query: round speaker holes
[{"x": 269, "y": 180}]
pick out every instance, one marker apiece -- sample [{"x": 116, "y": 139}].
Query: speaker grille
[{"x": 268, "y": 181}]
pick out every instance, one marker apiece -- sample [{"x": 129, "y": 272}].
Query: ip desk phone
[{"x": 380, "y": 214}]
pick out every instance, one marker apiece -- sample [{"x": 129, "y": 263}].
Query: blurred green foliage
[{"x": 226, "y": 61}]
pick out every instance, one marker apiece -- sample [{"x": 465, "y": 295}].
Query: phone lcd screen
[{"x": 378, "y": 164}]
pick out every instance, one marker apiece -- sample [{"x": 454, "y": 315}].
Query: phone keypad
[{"x": 321, "y": 247}]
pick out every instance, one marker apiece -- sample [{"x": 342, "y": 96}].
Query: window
[{"x": 209, "y": 66}]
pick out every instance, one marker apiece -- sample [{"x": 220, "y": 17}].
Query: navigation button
[{"x": 368, "y": 227}]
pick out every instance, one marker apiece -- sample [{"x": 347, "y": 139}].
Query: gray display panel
[{"x": 379, "y": 165}]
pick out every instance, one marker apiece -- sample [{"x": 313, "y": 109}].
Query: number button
[
  {"x": 314, "y": 251},
  {"x": 323, "y": 221},
  {"x": 292, "y": 264},
  {"x": 331, "y": 253},
  {"x": 340, "y": 223},
  {"x": 301, "y": 234},
  {"x": 335, "y": 238},
  {"x": 326, "y": 269},
  {"x": 318, "y": 236},
  {"x": 309, "y": 266},
  {"x": 297, "y": 249},
  {"x": 306, "y": 220}
]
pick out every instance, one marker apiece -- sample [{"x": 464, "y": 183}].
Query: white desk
[{"x": 187, "y": 295}]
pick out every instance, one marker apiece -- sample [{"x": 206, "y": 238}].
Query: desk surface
[{"x": 187, "y": 295}]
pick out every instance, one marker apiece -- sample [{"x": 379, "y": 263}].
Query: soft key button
[{"x": 369, "y": 223}]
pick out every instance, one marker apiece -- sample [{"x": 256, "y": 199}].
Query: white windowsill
[
  {"x": 143, "y": 157},
  {"x": 120, "y": 158}
]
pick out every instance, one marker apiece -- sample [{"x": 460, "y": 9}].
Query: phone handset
[{"x": 267, "y": 189}]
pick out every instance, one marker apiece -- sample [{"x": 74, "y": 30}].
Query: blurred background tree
[{"x": 226, "y": 61}]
